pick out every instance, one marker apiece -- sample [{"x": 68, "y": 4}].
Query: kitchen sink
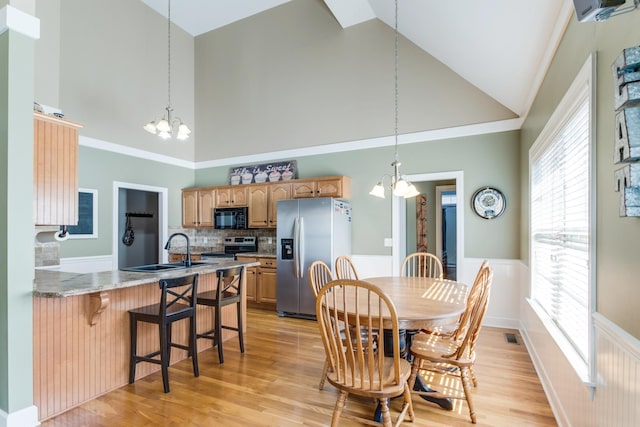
[{"x": 152, "y": 268}]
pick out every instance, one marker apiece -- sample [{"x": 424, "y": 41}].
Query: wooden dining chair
[
  {"x": 421, "y": 264},
  {"x": 227, "y": 292},
  {"x": 358, "y": 367},
  {"x": 177, "y": 302},
  {"x": 319, "y": 275},
  {"x": 437, "y": 357},
  {"x": 345, "y": 269},
  {"x": 458, "y": 329}
]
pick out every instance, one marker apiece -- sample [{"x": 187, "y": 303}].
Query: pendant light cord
[
  {"x": 396, "y": 80},
  {"x": 169, "y": 59}
]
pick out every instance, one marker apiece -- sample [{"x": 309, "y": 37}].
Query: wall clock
[{"x": 488, "y": 202}]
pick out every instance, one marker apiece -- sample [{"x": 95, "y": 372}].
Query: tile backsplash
[{"x": 212, "y": 238}]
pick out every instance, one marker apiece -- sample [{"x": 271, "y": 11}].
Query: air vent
[{"x": 511, "y": 338}]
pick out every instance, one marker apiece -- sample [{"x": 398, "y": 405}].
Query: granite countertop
[
  {"x": 52, "y": 283},
  {"x": 267, "y": 254}
]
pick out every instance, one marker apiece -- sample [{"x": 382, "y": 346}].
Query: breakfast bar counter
[{"x": 81, "y": 330}]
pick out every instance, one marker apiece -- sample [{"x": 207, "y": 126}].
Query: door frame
[
  {"x": 163, "y": 223},
  {"x": 399, "y": 219},
  {"x": 439, "y": 190}
]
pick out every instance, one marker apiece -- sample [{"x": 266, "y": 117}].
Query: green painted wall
[
  {"x": 486, "y": 160},
  {"x": 16, "y": 221},
  {"x": 98, "y": 169},
  {"x": 617, "y": 246}
]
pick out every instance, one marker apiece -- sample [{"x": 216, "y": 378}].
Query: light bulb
[
  {"x": 377, "y": 190},
  {"x": 163, "y": 126},
  {"x": 150, "y": 127}
]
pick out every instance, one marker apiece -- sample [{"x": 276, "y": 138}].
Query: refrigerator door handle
[
  {"x": 296, "y": 247},
  {"x": 301, "y": 247}
]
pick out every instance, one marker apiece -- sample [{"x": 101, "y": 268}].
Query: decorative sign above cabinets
[{"x": 267, "y": 172}]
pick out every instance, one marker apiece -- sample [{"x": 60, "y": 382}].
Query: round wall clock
[{"x": 488, "y": 202}]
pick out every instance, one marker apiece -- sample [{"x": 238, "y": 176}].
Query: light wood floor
[{"x": 275, "y": 384}]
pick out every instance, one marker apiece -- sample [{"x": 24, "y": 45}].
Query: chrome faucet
[{"x": 168, "y": 245}]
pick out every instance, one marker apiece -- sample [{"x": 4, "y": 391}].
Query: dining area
[{"x": 275, "y": 381}]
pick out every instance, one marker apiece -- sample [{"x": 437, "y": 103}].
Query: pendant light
[
  {"x": 169, "y": 125},
  {"x": 399, "y": 185}
]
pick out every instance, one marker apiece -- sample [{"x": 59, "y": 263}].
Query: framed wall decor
[
  {"x": 488, "y": 202},
  {"x": 267, "y": 172},
  {"x": 87, "y": 227}
]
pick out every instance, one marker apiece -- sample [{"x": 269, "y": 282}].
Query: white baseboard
[{"x": 26, "y": 417}]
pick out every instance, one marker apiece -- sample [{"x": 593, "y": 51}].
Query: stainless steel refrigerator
[{"x": 308, "y": 230}]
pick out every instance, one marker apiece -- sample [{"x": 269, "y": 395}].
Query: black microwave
[{"x": 230, "y": 218}]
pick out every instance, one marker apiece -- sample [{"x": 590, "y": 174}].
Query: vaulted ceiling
[{"x": 503, "y": 47}]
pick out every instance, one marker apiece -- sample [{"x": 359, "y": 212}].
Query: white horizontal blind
[{"x": 560, "y": 188}]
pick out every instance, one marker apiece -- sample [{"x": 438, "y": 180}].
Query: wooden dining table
[{"x": 421, "y": 303}]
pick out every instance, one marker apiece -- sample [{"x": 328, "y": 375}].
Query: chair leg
[
  {"x": 169, "y": 344},
  {"x": 240, "y": 334},
  {"x": 384, "y": 409},
  {"x": 218, "y": 333},
  {"x": 337, "y": 411},
  {"x": 193, "y": 346},
  {"x": 164, "y": 356},
  {"x": 466, "y": 386},
  {"x": 325, "y": 370},
  {"x": 133, "y": 335}
]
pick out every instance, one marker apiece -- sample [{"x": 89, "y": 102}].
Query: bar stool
[
  {"x": 229, "y": 291},
  {"x": 175, "y": 304}
]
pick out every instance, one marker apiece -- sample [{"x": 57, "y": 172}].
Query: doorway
[
  {"x": 139, "y": 224},
  {"x": 399, "y": 220},
  {"x": 446, "y": 235}
]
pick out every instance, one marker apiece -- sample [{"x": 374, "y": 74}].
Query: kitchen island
[{"x": 81, "y": 330}]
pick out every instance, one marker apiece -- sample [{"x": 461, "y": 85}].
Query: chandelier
[
  {"x": 399, "y": 184},
  {"x": 169, "y": 125}
]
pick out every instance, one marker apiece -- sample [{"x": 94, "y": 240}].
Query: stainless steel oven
[{"x": 233, "y": 246}]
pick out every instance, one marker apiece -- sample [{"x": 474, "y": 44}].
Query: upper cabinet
[
  {"x": 331, "y": 186},
  {"x": 55, "y": 170},
  {"x": 197, "y": 207},
  {"x": 263, "y": 203},
  {"x": 230, "y": 196},
  {"x": 261, "y": 199}
]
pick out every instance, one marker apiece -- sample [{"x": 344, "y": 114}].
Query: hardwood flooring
[{"x": 275, "y": 383}]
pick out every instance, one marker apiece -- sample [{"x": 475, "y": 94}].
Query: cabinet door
[
  {"x": 302, "y": 190},
  {"x": 251, "y": 274},
  {"x": 55, "y": 171},
  {"x": 258, "y": 210},
  {"x": 239, "y": 196},
  {"x": 223, "y": 197},
  {"x": 276, "y": 192},
  {"x": 206, "y": 203},
  {"x": 189, "y": 208},
  {"x": 329, "y": 188},
  {"x": 267, "y": 285}
]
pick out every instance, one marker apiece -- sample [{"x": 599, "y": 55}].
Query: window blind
[{"x": 560, "y": 188}]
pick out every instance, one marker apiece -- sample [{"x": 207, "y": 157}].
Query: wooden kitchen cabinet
[
  {"x": 261, "y": 282},
  {"x": 55, "y": 170},
  {"x": 231, "y": 196},
  {"x": 263, "y": 203},
  {"x": 197, "y": 207},
  {"x": 182, "y": 257},
  {"x": 333, "y": 186}
]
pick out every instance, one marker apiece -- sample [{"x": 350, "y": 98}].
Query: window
[{"x": 561, "y": 224}]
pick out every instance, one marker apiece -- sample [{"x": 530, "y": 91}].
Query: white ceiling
[{"x": 503, "y": 47}]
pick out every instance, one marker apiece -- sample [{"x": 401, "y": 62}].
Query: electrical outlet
[
  {"x": 269, "y": 240},
  {"x": 388, "y": 242},
  {"x": 205, "y": 240}
]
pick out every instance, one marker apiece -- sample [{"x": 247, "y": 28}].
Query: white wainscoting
[
  {"x": 504, "y": 305},
  {"x": 90, "y": 264},
  {"x": 616, "y": 401}
]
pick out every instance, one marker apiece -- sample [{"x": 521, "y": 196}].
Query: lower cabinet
[
  {"x": 261, "y": 282},
  {"x": 182, "y": 257}
]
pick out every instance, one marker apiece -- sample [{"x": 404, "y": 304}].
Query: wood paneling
[
  {"x": 75, "y": 362},
  {"x": 55, "y": 171}
]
